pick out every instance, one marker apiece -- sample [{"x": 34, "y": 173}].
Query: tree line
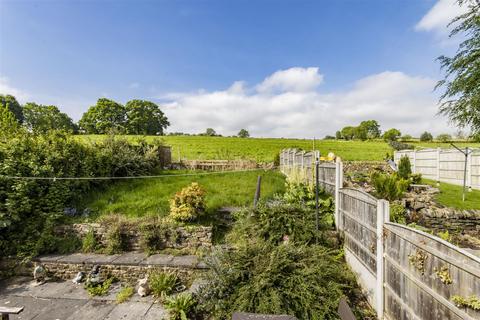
[{"x": 135, "y": 117}]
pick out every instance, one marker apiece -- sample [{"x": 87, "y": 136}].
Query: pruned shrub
[
  {"x": 389, "y": 187},
  {"x": 304, "y": 281},
  {"x": 188, "y": 204}
]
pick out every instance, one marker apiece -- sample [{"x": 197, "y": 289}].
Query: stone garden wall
[{"x": 180, "y": 237}]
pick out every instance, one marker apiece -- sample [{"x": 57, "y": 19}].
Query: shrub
[
  {"x": 416, "y": 178},
  {"x": 397, "y": 213},
  {"x": 180, "y": 306},
  {"x": 400, "y": 146},
  {"x": 116, "y": 242},
  {"x": 426, "y": 136},
  {"x": 124, "y": 294},
  {"x": 304, "y": 281},
  {"x": 188, "y": 204},
  {"x": 89, "y": 242},
  {"x": 389, "y": 187},
  {"x": 155, "y": 233},
  {"x": 406, "y": 138},
  {"x": 99, "y": 289},
  {"x": 272, "y": 222},
  {"x": 162, "y": 283},
  {"x": 404, "y": 168}
]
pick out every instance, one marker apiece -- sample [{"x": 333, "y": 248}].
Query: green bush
[
  {"x": 303, "y": 281},
  {"x": 397, "y": 213},
  {"x": 277, "y": 221},
  {"x": 162, "y": 283},
  {"x": 389, "y": 187},
  {"x": 188, "y": 204},
  {"x": 426, "y": 136},
  {"x": 400, "y": 145},
  {"x": 99, "y": 289},
  {"x": 89, "y": 242},
  {"x": 124, "y": 294},
  {"x": 180, "y": 306},
  {"x": 404, "y": 168},
  {"x": 116, "y": 239}
]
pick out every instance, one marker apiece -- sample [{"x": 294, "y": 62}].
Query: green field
[
  {"x": 265, "y": 149},
  {"x": 149, "y": 197},
  {"x": 451, "y": 196}
]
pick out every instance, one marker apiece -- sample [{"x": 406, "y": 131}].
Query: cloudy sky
[{"x": 277, "y": 68}]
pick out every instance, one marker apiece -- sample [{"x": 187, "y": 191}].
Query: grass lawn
[
  {"x": 265, "y": 149},
  {"x": 143, "y": 197},
  {"x": 451, "y": 196}
]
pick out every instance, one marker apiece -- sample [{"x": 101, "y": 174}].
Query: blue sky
[{"x": 330, "y": 63}]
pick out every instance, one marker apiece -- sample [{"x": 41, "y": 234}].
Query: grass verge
[{"x": 451, "y": 196}]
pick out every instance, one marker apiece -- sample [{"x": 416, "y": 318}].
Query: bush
[
  {"x": 397, "y": 213},
  {"x": 389, "y": 187},
  {"x": 274, "y": 222},
  {"x": 404, "y": 168},
  {"x": 304, "y": 281},
  {"x": 180, "y": 306},
  {"x": 406, "y": 138},
  {"x": 99, "y": 289},
  {"x": 444, "y": 137},
  {"x": 116, "y": 242},
  {"x": 426, "y": 136},
  {"x": 89, "y": 243},
  {"x": 162, "y": 283},
  {"x": 154, "y": 235},
  {"x": 188, "y": 204},
  {"x": 124, "y": 294},
  {"x": 400, "y": 146}
]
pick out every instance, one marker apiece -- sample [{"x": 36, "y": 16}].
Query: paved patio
[{"x": 65, "y": 300}]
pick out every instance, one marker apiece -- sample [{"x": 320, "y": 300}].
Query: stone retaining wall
[
  {"x": 180, "y": 237},
  {"x": 463, "y": 221}
]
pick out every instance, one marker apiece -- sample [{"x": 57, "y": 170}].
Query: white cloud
[
  {"x": 293, "y": 79},
  {"x": 7, "y": 88},
  {"x": 394, "y": 99},
  {"x": 439, "y": 16}
]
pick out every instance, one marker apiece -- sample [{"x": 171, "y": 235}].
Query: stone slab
[
  {"x": 130, "y": 258},
  {"x": 61, "y": 309},
  {"x": 185, "y": 261},
  {"x": 32, "y": 306},
  {"x": 158, "y": 260},
  {"x": 92, "y": 310},
  {"x": 49, "y": 258},
  {"x": 102, "y": 258},
  {"x": 129, "y": 311},
  {"x": 156, "y": 312},
  {"x": 77, "y": 258}
]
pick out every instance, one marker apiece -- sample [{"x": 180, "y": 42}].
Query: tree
[
  {"x": 338, "y": 135},
  {"x": 210, "y": 132},
  {"x": 406, "y": 137},
  {"x": 8, "y": 122},
  {"x": 392, "y": 134},
  {"x": 372, "y": 128},
  {"x": 426, "y": 136},
  {"x": 444, "y": 137},
  {"x": 13, "y": 106},
  {"x": 145, "y": 117},
  {"x": 243, "y": 134},
  {"x": 104, "y": 117},
  {"x": 348, "y": 133},
  {"x": 360, "y": 133},
  {"x": 40, "y": 119},
  {"x": 461, "y": 100}
]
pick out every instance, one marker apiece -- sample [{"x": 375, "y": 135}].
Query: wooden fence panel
[{"x": 423, "y": 273}]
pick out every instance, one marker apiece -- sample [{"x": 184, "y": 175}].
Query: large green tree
[
  {"x": 13, "y": 106},
  {"x": 40, "y": 118},
  {"x": 371, "y": 127},
  {"x": 461, "y": 100},
  {"x": 392, "y": 135},
  {"x": 104, "y": 117},
  {"x": 145, "y": 117}
]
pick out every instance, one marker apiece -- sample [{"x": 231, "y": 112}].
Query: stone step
[{"x": 129, "y": 266}]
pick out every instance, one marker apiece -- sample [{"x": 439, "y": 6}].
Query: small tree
[
  {"x": 444, "y": 137},
  {"x": 210, "y": 132},
  {"x": 338, "y": 135},
  {"x": 243, "y": 133},
  {"x": 426, "y": 136},
  {"x": 392, "y": 134},
  {"x": 404, "y": 168},
  {"x": 406, "y": 137}
]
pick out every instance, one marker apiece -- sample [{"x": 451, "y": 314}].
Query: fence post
[
  {"x": 383, "y": 213},
  {"x": 338, "y": 186},
  {"x": 469, "y": 172},
  {"x": 438, "y": 165},
  {"x": 414, "y": 161}
]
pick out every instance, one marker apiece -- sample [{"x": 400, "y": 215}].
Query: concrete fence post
[
  {"x": 414, "y": 169},
  {"x": 338, "y": 186},
  {"x": 383, "y": 214},
  {"x": 438, "y": 164},
  {"x": 469, "y": 170}
]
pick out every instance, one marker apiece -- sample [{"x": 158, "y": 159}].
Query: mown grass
[
  {"x": 150, "y": 197},
  {"x": 451, "y": 196},
  {"x": 265, "y": 149}
]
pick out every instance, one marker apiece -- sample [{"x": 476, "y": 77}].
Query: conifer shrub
[
  {"x": 404, "y": 168},
  {"x": 389, "y": 187}
]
